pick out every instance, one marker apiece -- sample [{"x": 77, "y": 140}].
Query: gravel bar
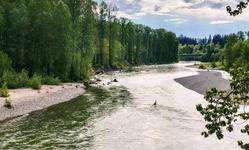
[
  {"x": 204, "y": 81},
  {"x": 27, "y": 104}
]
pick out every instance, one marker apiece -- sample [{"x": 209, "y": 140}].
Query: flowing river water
[{"x": 121, "y": 117}]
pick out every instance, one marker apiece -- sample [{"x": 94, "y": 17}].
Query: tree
[
  {"x": 18, "y": 32},
  {"x": 40, "y": 36},
  {"x": 241, "y": 35},
  {"x": 112, "y": 10},
  {"x": 65, "y": 38},
  {"x": 5, "y": 63},
  {"x": 2, "y": 23},
  {"x": 87, "y": 39},
  {"x": 228, "y": 54},
  {"x": 223, "y": 107},
  {"x": 102, "y": 30},
  {"x": 62, "y": 41}
]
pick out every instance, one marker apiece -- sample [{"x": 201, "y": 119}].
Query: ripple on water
[
  {"x": 116, "y": 119},
  {"x": 67, "y": 125}
]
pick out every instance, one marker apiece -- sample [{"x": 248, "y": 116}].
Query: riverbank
[
  {"x": 25, "y": 100},
  {"x": 122, "y": 117},
  {"x": 204, "y": 80},
  {"x": 208, "y": 65}
]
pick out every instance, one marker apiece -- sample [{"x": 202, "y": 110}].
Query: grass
[{"x": 7, "y": 103}]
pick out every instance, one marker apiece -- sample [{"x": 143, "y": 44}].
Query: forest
[
  {"x": 68, "y": 39},
  {"x": 223, "y": 109},
  {"x": 54, "y": 41},
  {"x": 230, "y": 50}
]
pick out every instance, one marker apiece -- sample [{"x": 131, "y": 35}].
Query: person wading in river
[{"x": 155, "y": 103}]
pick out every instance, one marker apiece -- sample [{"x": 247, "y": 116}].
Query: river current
[{"x": 121, "y": 117}]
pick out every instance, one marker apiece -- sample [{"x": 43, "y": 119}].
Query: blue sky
[{"x": 194, "y": 18}]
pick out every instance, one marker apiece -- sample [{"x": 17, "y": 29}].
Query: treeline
[
  {"x": 236, "y": 53},
  {"x": 67, "y": 38},
  {"x": 211, "y": 49}
]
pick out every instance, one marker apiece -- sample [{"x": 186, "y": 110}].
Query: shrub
[
  {"x": 23, "y": 79},
  {"x": 7, "y": 103},
  {"x": 213, "y": 65},
  {"x": 4, "y": 91},
  {"x": 50, "y": 80},
  {"x": 11, "y": 79},
  {"x": 35, "y": 82},
  {"x": 202, "y": 66},
  {"x": 15, "y": 80}
]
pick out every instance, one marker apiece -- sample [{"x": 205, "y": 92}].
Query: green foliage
[
  {"x": 7, "y": 103},
  {"x": 62, "y": 43},
  {"x": 35, "y": 82},
  {"x": 49, "y": 80},
  {"x": 222, "y": 110},
  {"x": 15, "y": 80},
  {"x": 22, "y": 78},
  {"x": 66, "y": 38},
  {"x": 213, "y": 64},
  {"x": 5, "y": 63},
  {"x": 236, "y": 53},
  {"x": 209, "y": 52},
  {"x": 4, "y": 91},
  {"x": 11, "y": 78},
  {"x": 201, "y": 66}
]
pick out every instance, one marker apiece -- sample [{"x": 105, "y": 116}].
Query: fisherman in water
[{"x": 155, "y": 103}]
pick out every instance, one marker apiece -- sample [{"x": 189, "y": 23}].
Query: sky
[{"x": 193, "y": 18}]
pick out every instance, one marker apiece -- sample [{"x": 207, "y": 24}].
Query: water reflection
[
  {"x": 67, "y": 125},
  {"x": 115, "y": 119}
]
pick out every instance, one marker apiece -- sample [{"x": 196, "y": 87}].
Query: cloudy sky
[{"x": 195, "y": 18}]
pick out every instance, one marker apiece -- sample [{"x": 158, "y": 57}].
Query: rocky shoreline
[{"x": 25, "y": 101}]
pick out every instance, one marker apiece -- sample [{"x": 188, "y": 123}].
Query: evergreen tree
[{"x": 62, "y": 41}]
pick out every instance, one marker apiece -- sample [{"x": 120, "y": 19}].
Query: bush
[
  {"x": 4, "y": 91},
  {"x": 15, "y": 80},
  {"x": 35, "y": 82},
  {"x": 50, "y": 80},
  {"x": 23, "y": 79},
  {"x": 202, "y": 66},
  {"x": 10, "y": 78},
  {"x": 213, "y": 65},
  {"x": 7, "y": 103}
]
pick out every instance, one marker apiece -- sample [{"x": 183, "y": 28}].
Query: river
[{"x": 121, "y": 117}]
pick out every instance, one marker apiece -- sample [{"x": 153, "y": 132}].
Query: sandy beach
[{"x": 26, "y": 100}]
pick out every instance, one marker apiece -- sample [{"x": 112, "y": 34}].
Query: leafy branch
[
  {"x": 242, "y": 5},
  {"x": 223, "y": 108}
]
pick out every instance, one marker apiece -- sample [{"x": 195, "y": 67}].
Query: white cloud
[
  {"x": 187, "y": 10},
  {"x": 220, "y": 22},
  {"x": 175, "y": 20}
]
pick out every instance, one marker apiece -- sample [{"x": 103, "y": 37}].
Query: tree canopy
[
  {"x": 226, "y": 108},
  {"x": 69, "y": 38}
]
